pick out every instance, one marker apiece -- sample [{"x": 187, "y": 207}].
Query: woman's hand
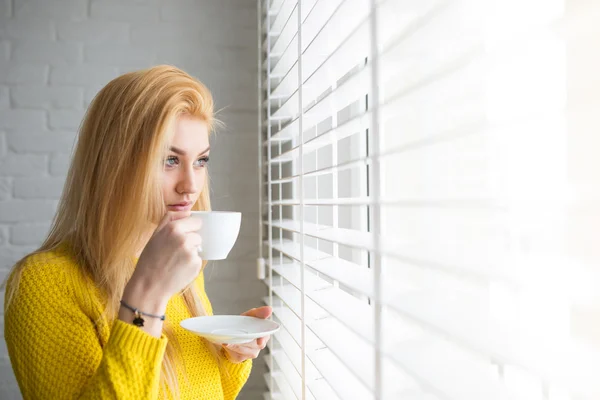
[
  {"x": 170, "y": 260},
  {"x": 167, "y": 265},
  {"x": 238, "y": 353}
]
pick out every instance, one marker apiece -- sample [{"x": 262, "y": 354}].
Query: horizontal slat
[
  {"x": 444, "y": 134},
  {"x": 322, "y": 390},
  {"x": 283, "y": 387},
  {"x": 318, "y": 17},
  {"x": 338, "y": 235},
  {"x": 292, "y": 250},
  {"x": 291, "y": 272},
  {"x": 361, "y": 360},
  {"x": 292, "y": 350},
  {"x": 292, "y": 299},
  {"x": 310, "y": 17},
  {"x": 355, "y": 125},
  {"x": 467, "y": 333},
  {"x": 292, "y": 377},
  {"x": 337, "y": 49},
  {"x": 360, "y": 123},
  {"x": 338, "y": 304},
  {"x": 352, "y": 275},
  {"x": 350, "y": 201},
  {"x": 290, "y": 83},
  {"x": 290, "y": 321},
  {"x": 354, "y": 88},
  {"x": 347, "y": 237},
  {"x": 448, "y": 245},
  {"x": 411, "y": 47},
  {"x": 290, "y": 296},
  {"x": 339, "y": 21},
  {"x": 413, "y": 395},
  {"x": 343, "y": 166},
  {"x": 284, "y": 9},
  {"x": 467, "y": 242},
  {"x": 292, "y": 325},
  {"x": 334, "y": 301},
  {"x": 316, "y": 85},
  {"x": 290, "y": 107},
  {"x": 466, "y": 320},
  {"x": 275, "y": 98},
  {"x": 356, "y": 277},
  {"x": 438, "y": 252},
  {"x": 337, "y": 375},
  {"x": 273, "y": 392},
  {"x": 287, "y": 86},
  {"x": 283, "y": 180},
  {"x": 289, "y": 29},
  {"x": 335, "y": 334},
  {"x": 474, "y": 203},
  {"x": 274, "y": 6},
  {"x": 345, "y": 308},
  {"x": 455, "y": 374},
  {"x": 461, "y": 316},
  {"x": 288, "y": 156},
  {"x": 287, "y": 132},
  {"x": 285, "y": 63}
]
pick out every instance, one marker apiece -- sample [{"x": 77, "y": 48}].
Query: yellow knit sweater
[{"x": 58, "y": 351}]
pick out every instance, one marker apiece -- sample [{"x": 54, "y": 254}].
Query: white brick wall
[{"x": 54, "y": 57}]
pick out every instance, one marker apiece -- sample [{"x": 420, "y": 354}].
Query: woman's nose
[{"x": 187, "y": 181}]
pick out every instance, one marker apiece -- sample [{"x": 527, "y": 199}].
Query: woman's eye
[
  {"x": 171, "y": 161},
  {"x": 201, "y": 162}
]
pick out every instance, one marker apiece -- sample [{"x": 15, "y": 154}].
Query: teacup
[{"x": 219, "y": 232}]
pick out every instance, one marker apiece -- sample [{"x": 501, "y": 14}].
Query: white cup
[{"x": 219, "y": 232}]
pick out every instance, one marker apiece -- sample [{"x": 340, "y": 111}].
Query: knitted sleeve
[
  {"x": 55, "y": 350},
  {"x": 233, "y": 376}
]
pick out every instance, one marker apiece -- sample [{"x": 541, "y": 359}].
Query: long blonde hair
[{"x": 112, "y": 192}]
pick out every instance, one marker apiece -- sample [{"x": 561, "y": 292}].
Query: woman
[{"x": 121, "y": 241}]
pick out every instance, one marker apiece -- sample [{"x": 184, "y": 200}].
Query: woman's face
[{"x": 185, "y": 164}]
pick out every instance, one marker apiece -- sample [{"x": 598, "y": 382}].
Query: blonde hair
[{"x": 112, "y": 192}]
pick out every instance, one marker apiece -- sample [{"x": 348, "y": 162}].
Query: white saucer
[{"x": 230, "y": 329}]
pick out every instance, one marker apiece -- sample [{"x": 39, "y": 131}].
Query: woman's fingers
[
  {"x": 262, "y": 342},
  {"x": 168, "y": 217},
  {"x": 241, "y": 353},
  {"x": 194, "y": 240},
  {"x": 187, "y": 225},
  {"x": 260, "y": 312}
]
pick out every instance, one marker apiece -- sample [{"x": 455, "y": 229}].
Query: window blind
[{"x": 429, "y": 198}]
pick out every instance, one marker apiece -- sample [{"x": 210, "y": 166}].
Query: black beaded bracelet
[{"x": 138, "y": 320}]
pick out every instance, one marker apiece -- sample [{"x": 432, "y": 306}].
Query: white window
[{"x": 430, "y": 198}]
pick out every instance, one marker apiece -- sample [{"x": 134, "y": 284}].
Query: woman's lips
[{"x": 185, "y": 206}]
